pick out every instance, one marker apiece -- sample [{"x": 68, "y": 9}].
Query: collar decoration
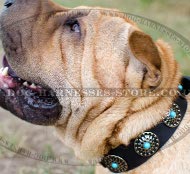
[{"x": 124, "y": 158}]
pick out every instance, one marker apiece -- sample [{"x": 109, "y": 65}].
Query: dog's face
[{"x": 62, "y": 48}]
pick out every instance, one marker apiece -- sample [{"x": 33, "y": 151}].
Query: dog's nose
[{"x": 8, "y": 3}]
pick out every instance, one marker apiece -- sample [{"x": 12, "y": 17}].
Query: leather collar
[{"x": 124, "y": 158}]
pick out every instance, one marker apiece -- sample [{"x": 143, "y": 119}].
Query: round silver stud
[
  {"x": 146, "y": 144},
  {"x": 115, "y": 164},
  {"x": 173, "y": 120}
]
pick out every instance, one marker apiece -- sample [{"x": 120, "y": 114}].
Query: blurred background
[{"x": 174, "y": 14}]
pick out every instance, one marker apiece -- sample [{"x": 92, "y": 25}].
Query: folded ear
[{"x": 145, "y": 50}]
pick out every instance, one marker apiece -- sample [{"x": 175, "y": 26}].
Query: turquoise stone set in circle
[
  {"x": 147, "y": 143},
  {"x": 180, "y": 87},
  {"x": 173, "y": 118},
  {"x": 115, "y": 163}
]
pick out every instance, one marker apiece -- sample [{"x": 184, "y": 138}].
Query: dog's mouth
[{"x": 30, "y": 102}]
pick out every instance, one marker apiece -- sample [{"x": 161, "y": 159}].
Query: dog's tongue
[{"x": 6, "y": 64}]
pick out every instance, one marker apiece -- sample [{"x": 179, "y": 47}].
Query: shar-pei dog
[{"x": 112, "y": 93}]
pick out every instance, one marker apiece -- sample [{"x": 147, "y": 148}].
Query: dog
[{"x": 50, "y": 48}]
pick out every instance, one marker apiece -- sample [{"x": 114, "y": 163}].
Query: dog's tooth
[
  {"x": 1, "y": 70},
  {"x": 33, "y": 86},
  {"x": 25, "y": 84},
  {"x": 5, "y": 86},
  {"x": 5, "y": 71}
]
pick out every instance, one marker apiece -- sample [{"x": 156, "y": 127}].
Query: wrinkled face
[
  {"x": 57, "y": 48},
  {"x": 53, "y": 47}
]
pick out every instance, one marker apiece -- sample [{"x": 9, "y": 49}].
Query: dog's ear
[{"x": 145, "y": 50}]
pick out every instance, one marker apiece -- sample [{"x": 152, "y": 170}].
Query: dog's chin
[{"x": 32, "y": 103}]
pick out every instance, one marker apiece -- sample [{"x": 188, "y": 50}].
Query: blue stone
[
  {"x": 114, "y": 165},
  {"x": 180, "y": 87},
  {"x": 172, "y": 114},
  {"x": 146, "y": 145}
]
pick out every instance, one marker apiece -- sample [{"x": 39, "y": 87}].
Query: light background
[{"x": 172, "y": 13}]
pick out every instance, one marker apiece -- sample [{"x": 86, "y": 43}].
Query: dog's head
[{"x": 70, "y": 50}]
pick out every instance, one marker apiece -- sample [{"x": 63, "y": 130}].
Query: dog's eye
[{"x": 74, "y": 25}]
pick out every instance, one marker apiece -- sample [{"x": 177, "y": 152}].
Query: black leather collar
[{"x": 124, "y": 158}]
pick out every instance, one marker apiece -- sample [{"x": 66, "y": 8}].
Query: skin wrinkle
[
  {"x": 86, "y": 117},
  {"x": 105, "y": 141},
  {"x": 116, "y": 129},
  {"x": 121, "y": 79},
  {"x": 118, "y": 125},
  {"x": 78, "y": 135},
  {"x": 80, "y": 69},
  {"x": 83, "y": 87},
  {"x": 130, "y": 113},
  {"x": 82, "y": 98},
  {"x": 64, "y": 66},
  {"x": 99, "y": 76},
  {"x": 10, "y": 38},
  {"x": 39, "y": 9},
  {"x": 94, "y": 74},
  {"x": 62, "y": 52},
  {"x": 93, "y": 50},
  {"x": 94, "y": 54},
  {"x": 64, "y": 58},
  {"x": 104, "y": 115},
  {"x": 89, "y": 119},
  {"x": 68, "y": 118},
  {"x": 20, "y": 36}
]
